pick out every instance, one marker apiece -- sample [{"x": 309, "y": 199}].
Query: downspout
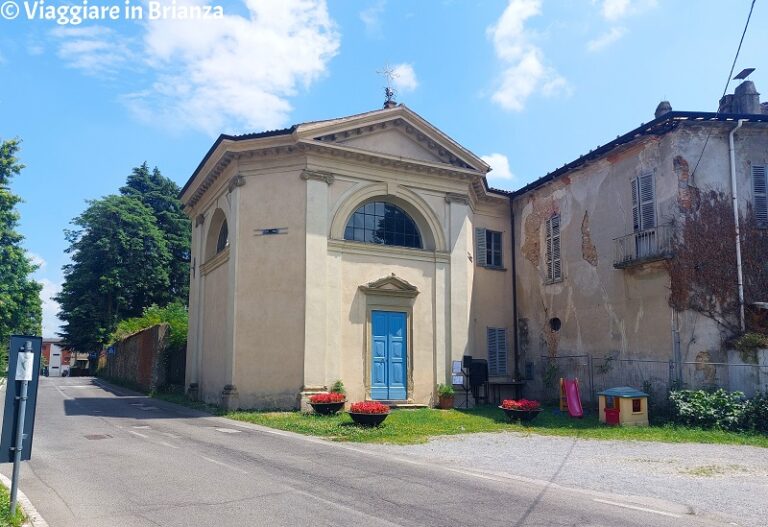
[
  {"x": 735, "y": 200},
  {"x": 514, "y": 290}
]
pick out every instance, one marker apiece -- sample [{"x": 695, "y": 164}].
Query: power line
[{"x": 727, "y": 83}]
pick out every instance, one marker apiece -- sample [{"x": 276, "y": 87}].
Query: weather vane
[{"x": 388, "y": 73}]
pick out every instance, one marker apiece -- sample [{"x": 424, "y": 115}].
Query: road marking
[
  {"x": 225, "y": 465},
  {"x": 145, "y": 408},
  {"x": 172, "y": 436},
  {"x": 138, "y": 434},
  {"x": 228, "y": 430},
  {"x": 142, "y": 427},
  {"x": 636, "y": 508}
]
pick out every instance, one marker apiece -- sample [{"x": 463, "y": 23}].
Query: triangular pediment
[
  {"x": 390, "y": 285},
  {"x": 396, "y": 132}
]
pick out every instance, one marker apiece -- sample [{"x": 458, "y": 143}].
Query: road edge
[{"x": 33, "y": 517}]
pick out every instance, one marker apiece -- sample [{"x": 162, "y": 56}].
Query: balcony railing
[{"x": 640, "y": 247}]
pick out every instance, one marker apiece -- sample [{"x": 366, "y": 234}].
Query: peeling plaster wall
[
  {"x": 603, "y": 310},
  {"x": 607, "y": 311}
]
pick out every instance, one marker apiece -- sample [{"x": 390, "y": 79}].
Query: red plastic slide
[{"x": 573, "y": 398}]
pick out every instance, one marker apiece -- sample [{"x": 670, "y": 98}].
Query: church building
[{"x": 367, "y": 249}]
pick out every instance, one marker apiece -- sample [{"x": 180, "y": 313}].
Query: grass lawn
[
  {"x": 416, "y": 426},
  {"x": 5, "y": 510}
]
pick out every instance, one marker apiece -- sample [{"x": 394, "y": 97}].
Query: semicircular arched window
[
  {"x": 223, "y": 240},
  {"x": 384, "y": 223}
]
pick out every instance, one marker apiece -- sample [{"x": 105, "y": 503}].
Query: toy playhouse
[{"x": 623, "y": 406}]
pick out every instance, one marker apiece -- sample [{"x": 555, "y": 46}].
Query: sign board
[
  {"x": 456, "y": 367},
  {"x": 457, "y": 380},
  {"x": 20, "y": 365}
]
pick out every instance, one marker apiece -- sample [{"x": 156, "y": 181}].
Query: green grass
[
  {"x": 417, "y": 426},
  {"x": 5, "y": 511}
]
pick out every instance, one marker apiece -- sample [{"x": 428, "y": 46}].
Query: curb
[{"x": 33, "y": 517}]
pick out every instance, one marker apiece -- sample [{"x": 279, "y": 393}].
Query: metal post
[{"x": 19, "y": 436}]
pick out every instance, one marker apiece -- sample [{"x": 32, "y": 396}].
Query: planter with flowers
[
  {"x": 522, "y": 409},
  {"x": 368, "y": 413},
  {"x": 445, "y": 394},
  {"x": 327, "y": 403}
]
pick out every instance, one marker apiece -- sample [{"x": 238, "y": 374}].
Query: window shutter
[
  {"x": 501, "y": 352},
  {"x": 492, "y": 350},
  {"x": 549, "y": 248},
  {"x": 760, "y": 194},
  {"x": 647, "y": 202},
  {"x": 481, "y": 251},
  {"x": 635, "y": 205},
  {"x": 556, "y": 267}
]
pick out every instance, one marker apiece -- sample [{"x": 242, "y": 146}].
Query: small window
[
  {"x": 497, "y": 351},
  {"x": 554, "y": 265},
  {"x": 223, "y": 241},
  {"x": 637, "y": 406},
  {"x": 488, "y": 248},
  {"x": 760, "y": 194},
  {"x": 383, "y": 223}
]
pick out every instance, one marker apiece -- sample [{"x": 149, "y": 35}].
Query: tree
[
  {"x": 161, "y": 195},
  {"x": 120, "y": 263},
  {"x": 20, "y": 306}
]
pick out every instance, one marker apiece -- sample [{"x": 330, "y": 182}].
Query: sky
[{"x": 527, "y": 84}]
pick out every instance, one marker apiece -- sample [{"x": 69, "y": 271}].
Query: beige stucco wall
[{"x": 269, "y": 298}]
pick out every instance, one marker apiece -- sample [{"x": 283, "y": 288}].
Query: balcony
[{"x": 641, "y": 247}]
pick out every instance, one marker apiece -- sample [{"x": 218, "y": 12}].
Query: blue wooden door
[{"x": 389, "y": 355}]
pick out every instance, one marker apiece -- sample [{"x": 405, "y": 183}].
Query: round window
[{"x": 555, "y": 324}]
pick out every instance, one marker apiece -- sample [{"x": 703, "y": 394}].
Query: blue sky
[{"x": 528, "y": 84}]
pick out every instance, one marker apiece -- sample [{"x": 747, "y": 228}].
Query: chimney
[
  {"x": 662, "y": 108},
  {"x": 745, "y": 98}
]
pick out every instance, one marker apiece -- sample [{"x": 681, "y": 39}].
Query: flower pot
[
  {"x": 368, "y": 419},
  {"x": 327, "y": 408},
  {"x": 446, "y": 402},
  {"x": 524, "y": 416}
]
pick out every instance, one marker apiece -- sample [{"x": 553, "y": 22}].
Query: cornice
[{"x": 215, "y": 261}]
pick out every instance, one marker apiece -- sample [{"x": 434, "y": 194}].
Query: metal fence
[{"x": 655, "y": 377}]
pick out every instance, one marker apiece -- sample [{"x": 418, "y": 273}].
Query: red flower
[
  {"x": 521, "y": 404},
  {"x": 325, "y": 398},
  {"x": 369, "y": 407}
]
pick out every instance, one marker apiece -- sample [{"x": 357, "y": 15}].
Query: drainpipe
[
  {"x": 514, "y": 290},
  {"x": 735, "y": 200}
]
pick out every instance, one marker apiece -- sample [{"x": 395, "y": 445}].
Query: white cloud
[
  {"x": 613, "y": 10},
  {"x": 51, "y": 322},
  {"x": 499, "y": 167},
  {"x": 606, "y": 39},
  {"x": 404, "y": 77},
  {"x": 371, "y": 18},
  {"x": 231, "y": 74},
  {"x": 95, "y": 50},
  {"x": 525, "y": 68},
  {"x": 37, "y": 260}
]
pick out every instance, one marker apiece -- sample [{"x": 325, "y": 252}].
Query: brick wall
[{"x": 139, "y": 358}]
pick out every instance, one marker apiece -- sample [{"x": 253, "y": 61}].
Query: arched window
[
  {"x": 223, "y": 241},
  {"x": 384, "y": 223}
]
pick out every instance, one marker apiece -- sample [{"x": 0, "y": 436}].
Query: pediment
[
  {"x": 397, "y": 132},
  {"x": 390, "y": 285}
]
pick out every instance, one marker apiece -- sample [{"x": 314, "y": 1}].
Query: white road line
[
  {"x": 228, "y": 430},
  {"x": 138, "y": 434},
  {"x": 225, "y": 465},
  {"x": 142, "y": 427},
  {"x": 636, "y": 508}
]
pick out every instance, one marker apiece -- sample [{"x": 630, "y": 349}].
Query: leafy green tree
[
  {"x": 161, "y": 195},
  {"x": 20, "y": 306},
  {"x": 120, "y": 262}
]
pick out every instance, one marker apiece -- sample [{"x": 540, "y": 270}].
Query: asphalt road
[{"x": 104, "y": 456}]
